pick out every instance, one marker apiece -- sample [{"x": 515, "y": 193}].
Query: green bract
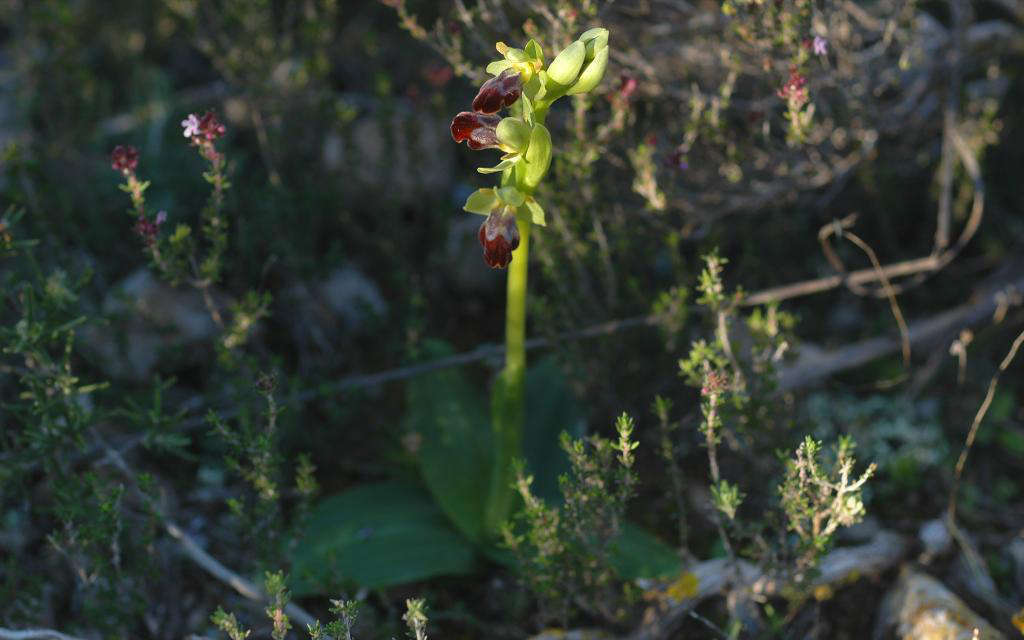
[
  {"x": 536, "y": 160},
  {"x": 482, "y": 201}
]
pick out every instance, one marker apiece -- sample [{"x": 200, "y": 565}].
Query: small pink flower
[
  {"x": 795, "y": 90},
  {"x": 477, "y": 129},
  {"x": 161, "y": 217},
  {"x": 124, "y": 159},
  {"x": 627, "y": 85},
  {"x": 499, "y": 237},
  {"x": 190, "y": 126},
  {"x": 499, "y": 92},
  {"x": 820, "y": 46}
]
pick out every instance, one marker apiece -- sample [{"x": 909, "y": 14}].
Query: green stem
[{"x": 509, "y": 396}]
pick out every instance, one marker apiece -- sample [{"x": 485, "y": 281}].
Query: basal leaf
[
  {"x": 453, "y": 423},
  {"x": 377, "y": 535}
]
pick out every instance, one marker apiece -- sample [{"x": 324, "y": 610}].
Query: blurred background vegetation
[{"x": 345, "y": 206}]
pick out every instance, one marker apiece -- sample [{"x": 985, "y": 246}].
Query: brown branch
[
  {"x": 815, "y": 365},
  {"x": 714, "y": 577},
  {"x": 840, "y": 228},
  {"x": 34, "y": 634}
]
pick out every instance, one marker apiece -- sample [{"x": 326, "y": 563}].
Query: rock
[
  {"x": 935, "y": 539},
  {"x": 573, "y": 634},
  {"x": 321, "y": 313},
  {"x": 464, "y": 265},
  {"x": 920, "y": 607},
  {"x": 398, "y": 157},
  {"x": 353, "y": 297},
  {"x": 147, "y": 317},
  {"x": 1016, "y": 551}
]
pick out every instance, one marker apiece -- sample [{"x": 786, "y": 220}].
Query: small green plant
[
  {"x": 341, "y": 628},
  {"x": 820, "y": 495},
  {"x": 565, "y": 553}
]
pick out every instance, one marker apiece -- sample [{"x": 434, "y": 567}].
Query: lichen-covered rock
[{"x": 921, "y": 608}]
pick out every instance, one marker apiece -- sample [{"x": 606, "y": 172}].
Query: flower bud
[
  {"x": 124, "y": 159},
  {"x": 477, "y": 129},
  {"x": 499, "y": 237},
  {"x": 499, "y": 92},
  {"x": 566, "y": 65},
  {"x": 595, "y": 62},
  {"x": 514, "y": 134}
]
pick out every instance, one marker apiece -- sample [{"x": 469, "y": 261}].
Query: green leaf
[
  {"x": 551, "y": 408},
  {"x": 450, "y": 416},
  {"x": 639, "y": 554},
  {"x": 536, "y": 212},
  {"x": 376, "y": 535},
  {"x": 501, "y": 166},
  {"x": 482, "y": 201}
]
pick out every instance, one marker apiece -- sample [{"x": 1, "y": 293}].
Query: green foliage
[
  {"x": 377, "y": 535},
  {"x": 576, "y": 555},
  {"x": 449, "y": 418},
  {"x": 820, "y": 494},
  {"x": 726, "y": 497}
]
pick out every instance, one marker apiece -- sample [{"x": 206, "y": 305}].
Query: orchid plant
[{"x": 526, "y": 87}]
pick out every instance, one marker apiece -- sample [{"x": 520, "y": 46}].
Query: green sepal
[
  {"x": 537, "y": 158},
  {"x": 534, "y": 51},
  {"x": 511, "y": 196},
  {"x": 501, "y": 166},
  {"x": 516, "y": 55},
  {"x": 566, "y": 65},
  {"x": 592, "y": 73},
  {"x": 537, "y": 86},
  {"x": 514, "y": 133},
  {"x": 482, "y": 201},
  {"x": 495, "y": 68},
  {"x": 535, "y": 211}
]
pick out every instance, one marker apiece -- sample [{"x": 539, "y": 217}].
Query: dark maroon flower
[
  {"x": 499, "y": 236},
  {"x": 147, "y": 229},
  {"x": 210, "y": 127},
  {"x": 477, "y": 129},
  {"x": 124, "y": 159},
  {"x": 499, "y": 92}
]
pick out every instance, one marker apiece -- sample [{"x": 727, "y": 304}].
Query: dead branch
[
  {"x": 34, "y": 634},
  {"x": 714, "y": 577}
]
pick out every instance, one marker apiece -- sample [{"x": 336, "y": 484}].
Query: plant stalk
[{"x": 508, "y": 400}]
